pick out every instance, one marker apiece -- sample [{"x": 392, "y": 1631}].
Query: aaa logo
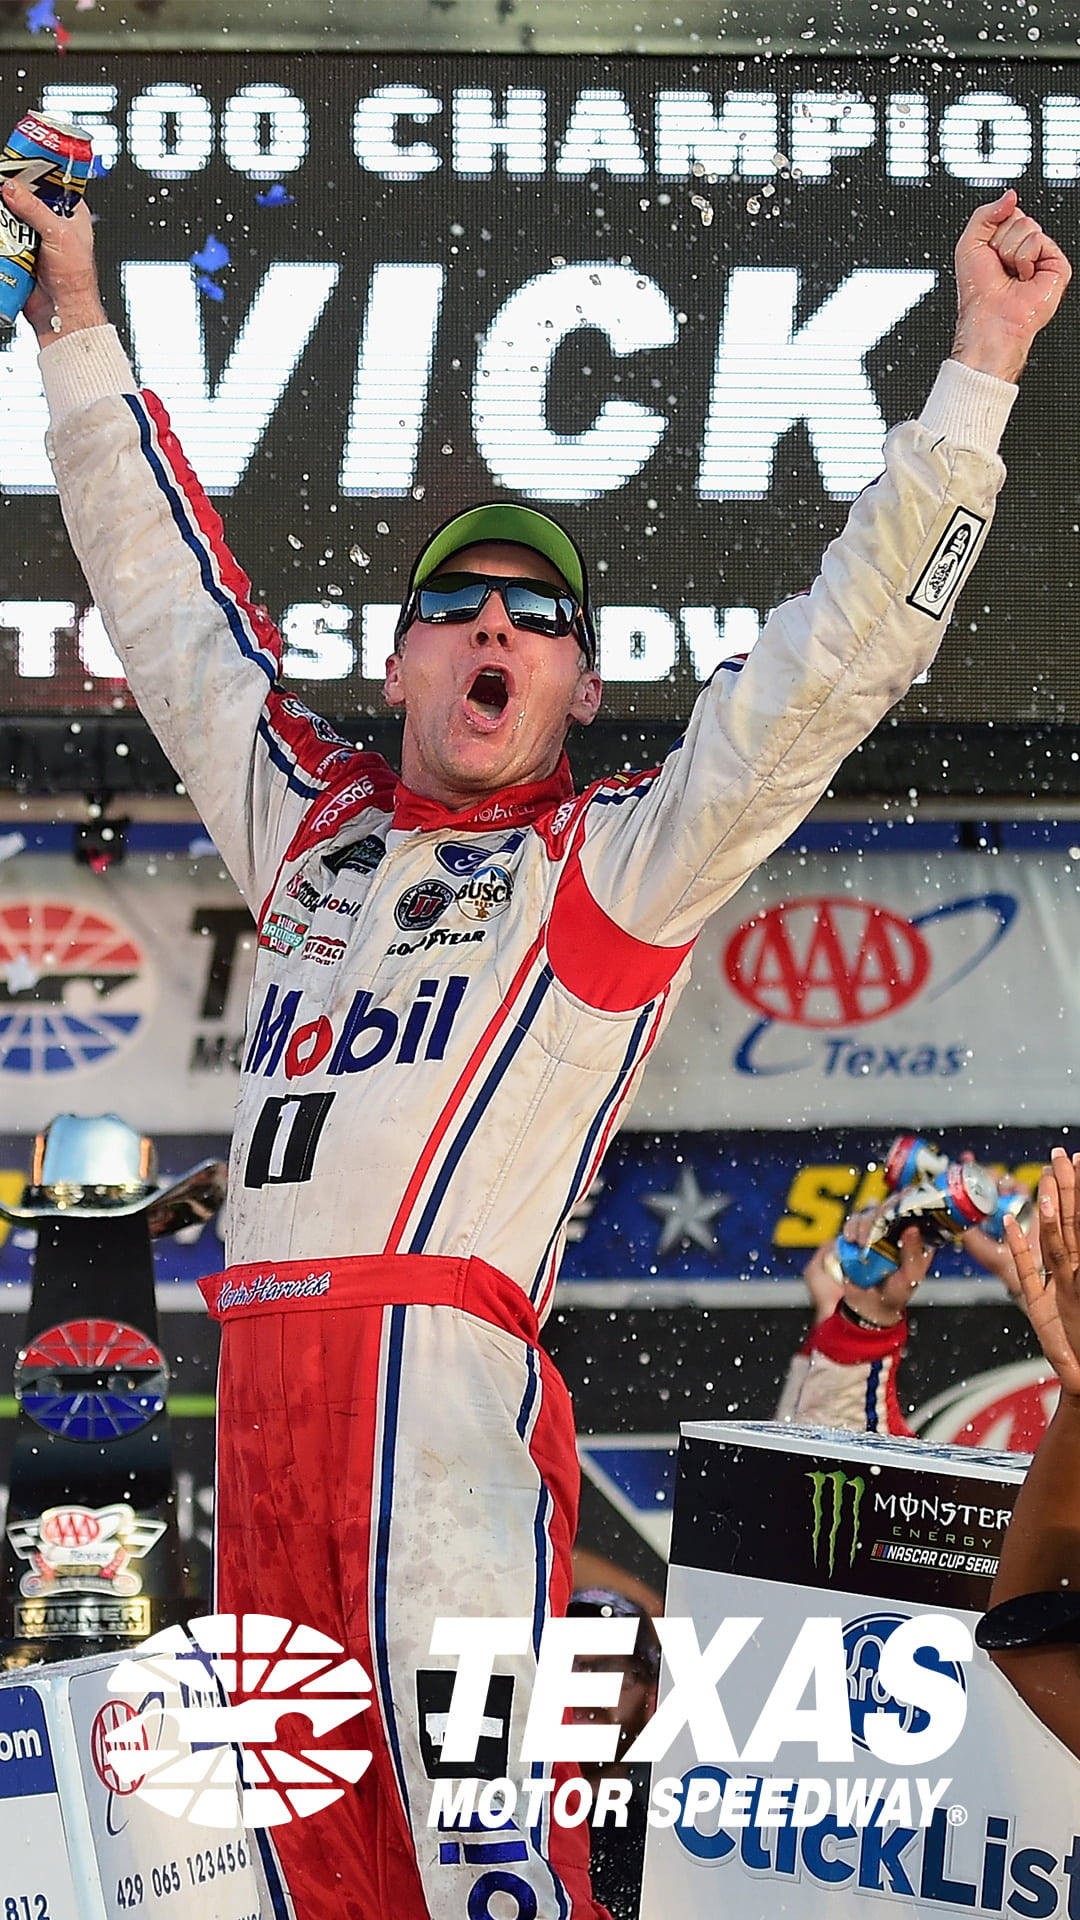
[{"x": 827, "y": 962}]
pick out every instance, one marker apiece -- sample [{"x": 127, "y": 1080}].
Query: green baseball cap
[{"x": 523, "y": 527}]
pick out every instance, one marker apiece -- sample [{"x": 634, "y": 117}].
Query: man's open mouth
[{"x": 488, "y": 692}]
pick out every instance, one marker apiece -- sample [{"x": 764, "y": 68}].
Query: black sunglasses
[{"x": 535, "y": 606}]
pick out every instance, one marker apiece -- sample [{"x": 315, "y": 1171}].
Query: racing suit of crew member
[
  {"x": 844, "y": 1374},
  {"x": 450, "y": 1011}
]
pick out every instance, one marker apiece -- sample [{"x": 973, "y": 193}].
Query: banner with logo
[
  {"x": 670, "y": 1216},
  {"x": 842, "y": 989},
  {"x": 122, "y": 991},
  {"x": 849, "y": 988}
]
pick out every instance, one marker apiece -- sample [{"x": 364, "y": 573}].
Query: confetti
[
  {"x": 209, "y": 287},
  {"x": 41, "y": 17},
  {"x": 100, "y": 167},
  {"x": 275, "y": 196},
  {"x": 63, "y": 38},
  {"x": 214, "y": 254}
]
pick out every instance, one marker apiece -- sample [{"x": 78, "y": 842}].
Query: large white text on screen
[
  {"x": 404, "y": 131},
  {"x": 770, "y": 373}
]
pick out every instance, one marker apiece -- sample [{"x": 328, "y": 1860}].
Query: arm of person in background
[
  {"x": 824, "y": 1283},
  {"x": 823, "y": 1280},
  {"x": 201, "y": 659},
  {"x": 663, "y": 852},
  {"x": 1035, "y": 1640}
]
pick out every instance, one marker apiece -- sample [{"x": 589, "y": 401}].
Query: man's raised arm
[
  {"x": 768, "y": 733},
  {"x": 201, "y": 660}
]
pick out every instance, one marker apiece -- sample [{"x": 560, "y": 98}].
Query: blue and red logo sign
[
  {"x": 65, "y": 975},
  {"x": 91, "y": 1380},
  {"x": 831, "y": 963}
]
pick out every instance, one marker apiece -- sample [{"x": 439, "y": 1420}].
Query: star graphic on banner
[{"x": 686, "y": 1213}]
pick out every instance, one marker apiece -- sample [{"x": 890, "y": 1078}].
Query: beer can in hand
[{"x": 53, "y": 157}]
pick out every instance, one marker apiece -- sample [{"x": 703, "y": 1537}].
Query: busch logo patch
[{"x": 486, "y": 894}]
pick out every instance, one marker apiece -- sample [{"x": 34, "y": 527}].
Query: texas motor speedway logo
[
  {"x": 223, "y": 1684},
  {"x": 72, "y": 987}
]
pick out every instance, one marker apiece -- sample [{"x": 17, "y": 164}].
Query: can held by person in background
[
  {"x": 962, "y": 1195},
  {"x": 910, "y": 1158},
  {"x": 53, "y": 157}
]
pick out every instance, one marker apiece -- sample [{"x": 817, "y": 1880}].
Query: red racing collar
[{"x": 512, "y": 807}]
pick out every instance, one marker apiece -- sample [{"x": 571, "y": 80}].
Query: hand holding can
[{"x": 53, "y": 158}]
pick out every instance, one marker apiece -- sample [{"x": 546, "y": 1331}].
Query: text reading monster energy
[{"x": 678, "y": 303}]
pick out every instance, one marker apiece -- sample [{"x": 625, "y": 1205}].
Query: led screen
[{"x": 679, "y": 303}]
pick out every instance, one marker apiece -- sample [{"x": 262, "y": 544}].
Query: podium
[
  {"x": 78, "y": 1842},
  {"x": 787, "y": 1523}
]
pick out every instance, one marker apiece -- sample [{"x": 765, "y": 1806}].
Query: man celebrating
[{"x": 460, "y": 974}]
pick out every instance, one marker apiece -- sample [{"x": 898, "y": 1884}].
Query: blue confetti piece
[
  {"x": 99, "y": 167},
  {"x": 41, "y": 17},
  {"x": 275, "y": 196},
  {"x": 210, "y": 287},
  {"x": 214, "y": 254}
]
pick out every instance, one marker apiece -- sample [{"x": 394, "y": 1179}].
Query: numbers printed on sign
[
  {"x": 166, "y": 1879},
  {"x": 26, "y": 1906},
  {"x": 213, "y": 1861}
]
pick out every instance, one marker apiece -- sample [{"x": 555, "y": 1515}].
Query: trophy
[{"x": 91, "y": 1557}]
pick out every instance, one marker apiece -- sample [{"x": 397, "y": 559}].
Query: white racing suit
[
  {"x": 449, "y": 1015},
  {"x": 844, "y": 1375}
]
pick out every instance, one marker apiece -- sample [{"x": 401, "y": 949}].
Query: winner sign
[{"x": 681, "y": 305}]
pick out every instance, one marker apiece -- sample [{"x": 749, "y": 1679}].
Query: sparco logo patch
[
  {"x": 486, "y": 894},
  {"x": 948, "y": 564},
  {"x": 335, "y": 808},
  {"x": 422, "y": 905}
]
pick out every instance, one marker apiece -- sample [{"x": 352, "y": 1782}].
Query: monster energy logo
[{"x": 838, "y": 1484}]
